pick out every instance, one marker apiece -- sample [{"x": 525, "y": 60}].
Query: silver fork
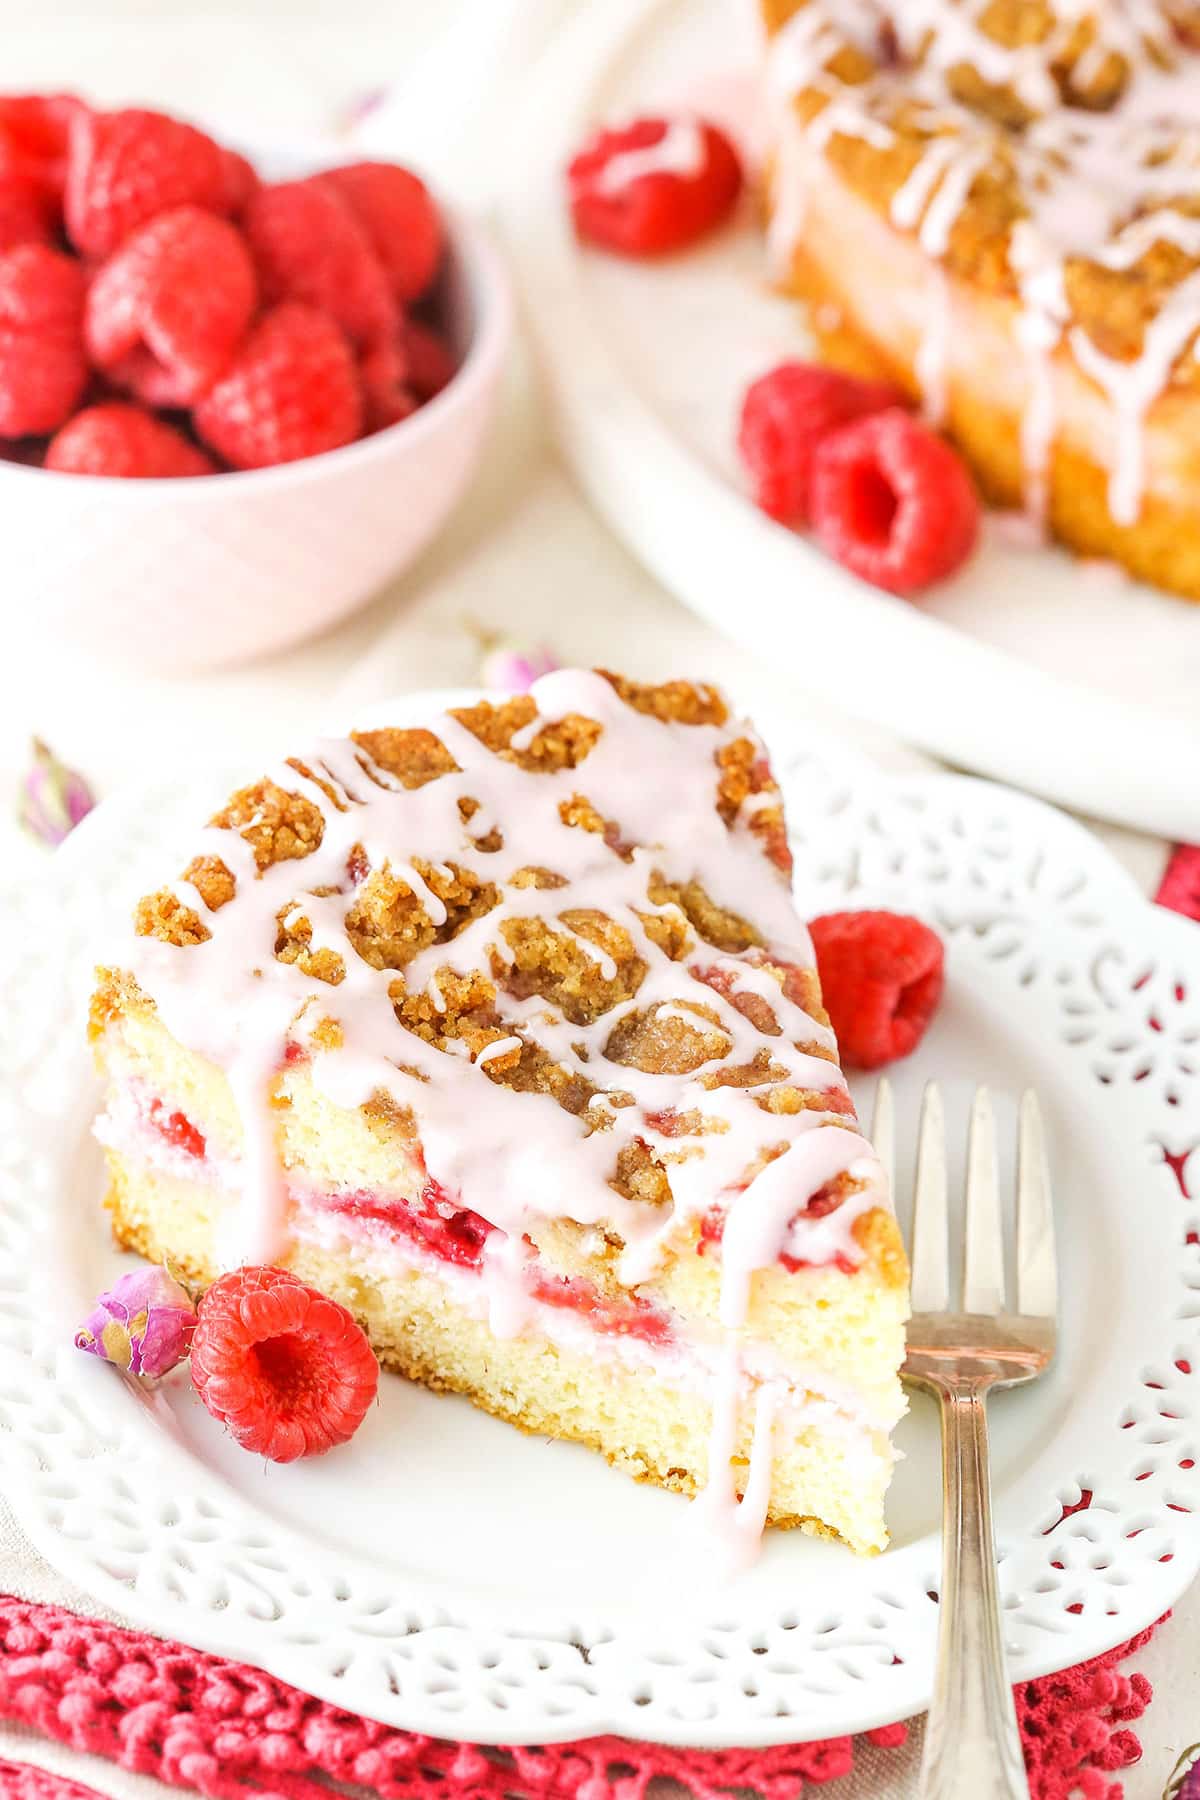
[{"x": 972, "y": 1745}]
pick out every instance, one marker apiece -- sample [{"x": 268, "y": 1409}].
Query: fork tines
[{"x": 983, "y": 1277}]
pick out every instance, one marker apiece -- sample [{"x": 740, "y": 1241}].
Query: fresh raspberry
[
  {"x": 1180, "y": 885},
  {"x": 169, "y": 309},
  {"x": 114, "y": 439},
  {"x": 387, "y": 396},
  {"x": 43, "y": 368},
  {"x": 399, "y": 215},
  {"x": 292, "y": 391},
  {"x": 124, "y": 167},
  {"x": 241, "y": 182},
  {"x": 881, "y": 980},
  {"x": 622, "y": 201},
  {"x": 431, "y": 362},
  {"x": 309, "y": 247},
  {"x": 26, "y": 213},
  {"x": 35, "y": 136},
  {"x": 286, "y": 1369},
  {"x": 29, "y": 452},
  {"x": 785, "y": 415},
  {"x": 893, "y": 502}
]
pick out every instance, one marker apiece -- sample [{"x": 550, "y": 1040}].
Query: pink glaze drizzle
[
  {"x": 729, "y": 1527},
  {"x": 512, "y": 1159}
]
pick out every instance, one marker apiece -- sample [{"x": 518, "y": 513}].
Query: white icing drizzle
[
  {"x": 758, "y": 1228},
  {"x": 914, "y": 194},
  {"x": 509, "y": 1306},
  {"x": 785, "y": 228},
  {"x": 1133, "y": 387},
  {"x": 1039, "y": 329},
  {"x": 680, "y": 151},
  {"x": 520, "y": 1158},
  {"x": 1100, "y": 186},
  {"x": 931, "y": 366}
]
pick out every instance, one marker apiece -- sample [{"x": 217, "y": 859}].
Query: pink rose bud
[
  {"x": 515, "y": 670},
  {"x": 143, "y": 1324},
  {"x": 53, "y": 797},
  {"x": 1184, "y": 1783}
]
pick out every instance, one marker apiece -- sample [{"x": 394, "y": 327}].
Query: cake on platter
[
  {"x": 503, "y": 1031},
  {"x": 997, "y": 205}
]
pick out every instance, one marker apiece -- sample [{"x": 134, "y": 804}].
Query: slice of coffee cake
[
  {"x": 504, "y": 1031},
  {"x": 995, "y": 206}
]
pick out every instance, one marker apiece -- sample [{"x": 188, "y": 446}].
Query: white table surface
[{"x": 523, "y": 555}]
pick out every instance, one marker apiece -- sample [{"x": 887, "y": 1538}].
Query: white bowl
[{"x": 184, "y": 574}]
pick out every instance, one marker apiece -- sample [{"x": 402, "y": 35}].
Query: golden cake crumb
[{"x": 413, "y": 755}]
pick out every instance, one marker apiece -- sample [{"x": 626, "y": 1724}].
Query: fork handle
[{"x": 972, "y": 1745}]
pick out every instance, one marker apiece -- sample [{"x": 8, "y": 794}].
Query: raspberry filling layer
[
  {"x": 176, "y": 1129},
  {"x": 634, "y": 1317},
  {"x": 455, "y": 1235}
]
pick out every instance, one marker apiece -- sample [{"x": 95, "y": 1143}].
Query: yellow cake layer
[
  {"x": 851, "y": 1327},
  {"x": 827, "y": 1482}
]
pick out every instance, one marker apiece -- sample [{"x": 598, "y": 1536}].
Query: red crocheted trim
[
  {"x": 1075, "y": 1726},
  {"x": 20, "y": 1781},
  {"x": 230, "y": 1732},
  {"x": 1180, "y": 886}
]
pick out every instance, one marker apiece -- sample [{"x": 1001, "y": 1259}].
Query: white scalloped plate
[
  {"x": 645, "y": 366},
  {"x": 449, "y": 1575}
]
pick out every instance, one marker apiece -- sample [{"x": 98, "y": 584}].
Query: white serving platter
[
  {"x": 1060, "y": 677},
  {"x": 449, "y": 1575}
]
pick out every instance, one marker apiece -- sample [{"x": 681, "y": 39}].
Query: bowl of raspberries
[{"x": 234, "y": 399}]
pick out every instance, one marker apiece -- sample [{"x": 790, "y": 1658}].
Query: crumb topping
[{"x": 577, "y": 895}]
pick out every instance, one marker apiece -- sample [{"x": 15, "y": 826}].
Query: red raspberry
[
  {"x": 124, "y": 167},
  {"x": 894, "y": 502},
  {"x": 35, "y": 134},
  {"x": 310, "y": 247},
  {"x": 785, "y": 415},
  {"x": 43, "y": 368},
  {"x": 292, "y": 391},
  {"x": 115, "y": 439},
  {"x": 387, "y": 397},
  {"x": 241, "y": 181},
  {"x": 178, "y": 1129},
  {"x": 881, "y": 980},
  {"x": 1180, "y": 885},
  {"x": 622, "y": 202},
  {"x": 286, "y": 1369},
  {"x": 399, "y": 215},
  {"x": 26, "y": 451},
  {"x": 169, "y": 309},
  {"x": 431, "y": 362},
  {"x": 26, "y": 213}
]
